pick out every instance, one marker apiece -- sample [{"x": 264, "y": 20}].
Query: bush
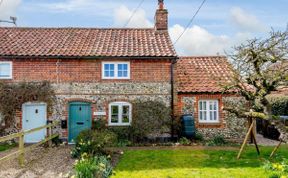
[
  {"x": 123, "y": 133},
  {"x": 279, "y": 105},
  {"x": 93, "y": 142},
  {"x": 184, "y": 141},
  {"x": 199, "y": 136},
  {"x": 91, "y": 167},
  {"x": 150, "y": 118},
  {"x": 278, "y": 170},
  {"x": 218, "y": 140}
]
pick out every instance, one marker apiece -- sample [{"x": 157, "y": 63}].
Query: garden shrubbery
[
  {"x": 279, "y": 105},
  {"x": 279, "y": 170}
]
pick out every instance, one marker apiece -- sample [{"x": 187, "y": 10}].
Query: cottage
[
  {"x": 96, "y": 72},
  {"x": 198, "y": 83}
]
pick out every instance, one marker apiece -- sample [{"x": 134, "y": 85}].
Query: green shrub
[
  {"x": 93, "y": 167},
  {"x": 218, "y": 140},
  {"x": 279, "y": 105},
  {"x": 99, "y": 124},
  {"x": 199, "y": 136},
  {"x": 149, "y": 118},
  {"x": 123, "y": 143},
  {"x": 184, "y": 141},
  {"x": 123, "y": 133},
  {"x": 277, "y": 169},
  {"x": 93, "y": 142}
]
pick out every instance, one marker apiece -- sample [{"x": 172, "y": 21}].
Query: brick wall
[{"x": 86, "y": 70}]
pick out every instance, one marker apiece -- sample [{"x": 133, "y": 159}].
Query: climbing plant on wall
[{"x": 13, "y": 95}]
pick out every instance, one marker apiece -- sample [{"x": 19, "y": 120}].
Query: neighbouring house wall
[
  {"x": 229, "y": 125},
  {"x": 81, "y": 80}
]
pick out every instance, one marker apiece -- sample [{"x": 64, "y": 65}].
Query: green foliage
[
  {"x": 278, "y": 169},
  {"x": 199, "y": 136},
  {"x": 184, "y": 141},
  {"x": 93, "y": 167},
  {"x": 7, "y": 146},
  {"x": 218, "y": 140},
  {"x": 123, "y": 133},
  {"x": 279, "y": 105},
  {"x": 149, "y": 117},
  {"x": 99, "y": 124},
  {"x": 13, "y": 95},
  {"x": 93, "y": 142},
  {"x": 196, "y": 162}
]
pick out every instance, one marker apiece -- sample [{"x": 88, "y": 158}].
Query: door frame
[
  {"x": 69, "y": 117},
  {"x": 24, "y": 113}
]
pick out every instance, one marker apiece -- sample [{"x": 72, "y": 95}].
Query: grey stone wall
[
  {"x": 101, "y": 94},
  {"x": 235, "y": 127}
]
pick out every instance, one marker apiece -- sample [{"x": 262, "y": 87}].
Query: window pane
[
  {"x": 215, "y": 106},
  {"x": 200, "y": 103},
  {"x": 125, "y": 66},
  {"x": 125, "y": 110},
  {"x": 114, "y": 114},
  {"x": 114, "y": 110},
  {"x": 204, "y": 105},
  {"x": 120, "y": 74},
  {"x": 111, "y": 74},
  {"x": 125, "y": 74},
  {"x": 106, "y": 74},
  {"x": 120, "y": 66},
  {"x": 211, "y": 105},
  {"x": 106, "y": 67},
  {"x": 4, "y": 70},
  {"x": 210, "y": 116},
  {"x": 204, "y": 115},
  {"x": 125, "y": 119},
  {"x": 111, "y": 66},
  {"x": 114, "y": 119},
  {"x": 201, "y": 115},
  {"x": 215, "y": 115}
]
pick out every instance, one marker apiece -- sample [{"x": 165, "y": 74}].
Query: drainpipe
[{"x": 173, "y": 62}]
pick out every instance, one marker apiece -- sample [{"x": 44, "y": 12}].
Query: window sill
[
  {"x": 118, "y": 124},
  {"x": 209, "y": 123}
]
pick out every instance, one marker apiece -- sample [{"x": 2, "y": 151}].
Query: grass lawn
[
  {"x": 194, "y": 163},
  {"x": 6, "y": 146}
]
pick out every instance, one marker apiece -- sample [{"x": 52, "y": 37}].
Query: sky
[{"x": 220, "y": 24}]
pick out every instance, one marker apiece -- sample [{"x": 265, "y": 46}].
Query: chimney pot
[{"x": 161, "y": 4}]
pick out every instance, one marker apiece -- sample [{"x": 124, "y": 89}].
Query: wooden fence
[{"x": 21, "y": 150}]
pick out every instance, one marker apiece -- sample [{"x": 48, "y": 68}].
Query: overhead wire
[
  {"x": 190, "y": 22},
  {"x": 133, "y": 13}
]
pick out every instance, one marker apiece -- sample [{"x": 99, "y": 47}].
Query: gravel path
[
  {"x": 41, "y": 162},
  {"x": 265, "y": 141}
]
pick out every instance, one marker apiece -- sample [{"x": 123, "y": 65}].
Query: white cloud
[
  {"x": 122, "y": 15},
  {"x": 246, "y": 22},
  {"x": 198, "y": 41},
  {"x": 8, "y": 8}
]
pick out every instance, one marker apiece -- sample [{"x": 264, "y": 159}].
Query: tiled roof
[
  {"x": 202, "y": 74},
  {"x": 88, "y": 42}
]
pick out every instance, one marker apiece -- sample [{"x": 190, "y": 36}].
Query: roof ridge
[
  {"x": 92, "y": 28},
  {"x": 208, "y": 56}
]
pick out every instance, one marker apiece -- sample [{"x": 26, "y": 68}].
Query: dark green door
[{"x": 79, "y": 119}]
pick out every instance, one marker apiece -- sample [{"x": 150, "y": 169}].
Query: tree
[{"x": 260, "y": 67}]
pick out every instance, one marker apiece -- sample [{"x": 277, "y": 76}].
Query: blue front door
[{"x": 79, "y": 119}]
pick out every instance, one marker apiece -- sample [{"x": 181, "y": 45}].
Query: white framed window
[
  {"x": 6, "y": 70},
  {"x": 115, "y": 70},
  {"x": 208, "y": 111},
  {"x": 120, "y": 113}
]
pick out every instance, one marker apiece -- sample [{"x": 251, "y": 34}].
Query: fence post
[
  {"x": 21, "y": 149},
  {"x": 50, "y": 134}
]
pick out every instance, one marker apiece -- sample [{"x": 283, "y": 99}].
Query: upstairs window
[
  {"x": 120, "y": 113},
  {"x": 5, "y": 70},
  {"x": 208, "y": 111},
  {"x": 116, "y": 70}
]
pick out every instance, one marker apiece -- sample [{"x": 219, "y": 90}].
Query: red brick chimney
[{"x": 161, "y": 17}]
